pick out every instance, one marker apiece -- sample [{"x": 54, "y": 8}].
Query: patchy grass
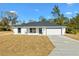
[
  {"x": 74, "y": 36},
  {"x": 2, "y": 33},
  {"x": 22, "y": 45}
]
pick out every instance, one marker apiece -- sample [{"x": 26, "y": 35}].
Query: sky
[{"x": 27, "y": 11}]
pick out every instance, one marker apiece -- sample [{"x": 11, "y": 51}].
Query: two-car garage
[{"x": 54, "y": 31}]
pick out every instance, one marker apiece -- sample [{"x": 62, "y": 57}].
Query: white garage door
[{"x": 54, "y": 32}]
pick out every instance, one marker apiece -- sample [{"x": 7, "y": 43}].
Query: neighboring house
[{"x": 39, "y": 28}]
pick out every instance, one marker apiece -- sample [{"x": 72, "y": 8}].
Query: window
[
  {"x": 19, "y": 30},
  {"x": 32, "y": 30},
  {"x": 40, "y": 30}
]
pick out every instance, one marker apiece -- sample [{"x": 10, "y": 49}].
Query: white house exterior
[{"x": 38, "y": 29}]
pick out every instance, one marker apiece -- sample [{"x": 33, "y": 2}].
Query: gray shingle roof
[{"x": 37, "y": 24}]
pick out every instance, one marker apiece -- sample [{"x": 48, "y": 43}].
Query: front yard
[
  {"x": 74, "y": 36},
  {"x": 24, "y": 45}
]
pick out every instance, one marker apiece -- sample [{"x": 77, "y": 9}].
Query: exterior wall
[
  {"x": 25, "y": 30},
  {"x": 15, "y": 30},
  {"x": 37, "y": 31},
  {"x": 63, "y": 31},
  {"x": 44, "y": 31}
]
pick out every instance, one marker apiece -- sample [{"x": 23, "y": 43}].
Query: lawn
[
  {"x": 24, "y": 45},
  {"x": 74, "y": 36}
]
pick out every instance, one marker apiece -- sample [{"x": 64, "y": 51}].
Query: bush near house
[
  {"x": 5, "y": 28},
  {"x": 71, "y": 31}
]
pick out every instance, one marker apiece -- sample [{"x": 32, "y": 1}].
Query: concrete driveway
[{"x": 64, "y": 46}]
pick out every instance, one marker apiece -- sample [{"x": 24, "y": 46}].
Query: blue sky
[{"x": 27, "y": 11}]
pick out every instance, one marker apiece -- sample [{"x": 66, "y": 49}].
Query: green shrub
[
  {"x": 68, "y": 30},
  {"x": 5, "y": 29},
  {"x": 71, "y": 31},
  {"x": 74, "y": 31}
]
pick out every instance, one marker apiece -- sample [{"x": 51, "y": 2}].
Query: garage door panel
[{"x": 53, "y": 31}]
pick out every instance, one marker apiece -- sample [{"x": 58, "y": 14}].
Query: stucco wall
[
  {"x": 63, "y": 31},
  {"x": 44, "y": 31},
  {"x": 25, "y": 30},
  {"x": 15, "y": 30}
]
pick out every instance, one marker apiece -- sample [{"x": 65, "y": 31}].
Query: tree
[
  {"x": 5, "y": 23},
  {"x": 56, "y": 11},
  {"x": 12, "y": 17},
  {"x": 7, "y": 19},
  {"x": 32, "y": 20},
  {"x": 59, "y": 18},
  {"x": 42, "y": 19},
  {"x": 51, "y": 21},
  {"x": 76, "y": 18},
  {"x": 66, "y": 21},
  {"x": 71, "y": 26}
]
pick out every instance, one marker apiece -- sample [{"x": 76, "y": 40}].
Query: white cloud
[
  {"x": 68, "y": 13},
  {"x": 12, "y": 11},
  {"x": 37, "y": 10},
  {"x": 69, "y": 4},
  {"x": 76, "y": 12}
]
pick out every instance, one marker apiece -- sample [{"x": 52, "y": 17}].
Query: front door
[{"x": 40, "y": 30}]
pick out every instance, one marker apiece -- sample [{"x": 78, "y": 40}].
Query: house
[{"x": 39, "y": 28}]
